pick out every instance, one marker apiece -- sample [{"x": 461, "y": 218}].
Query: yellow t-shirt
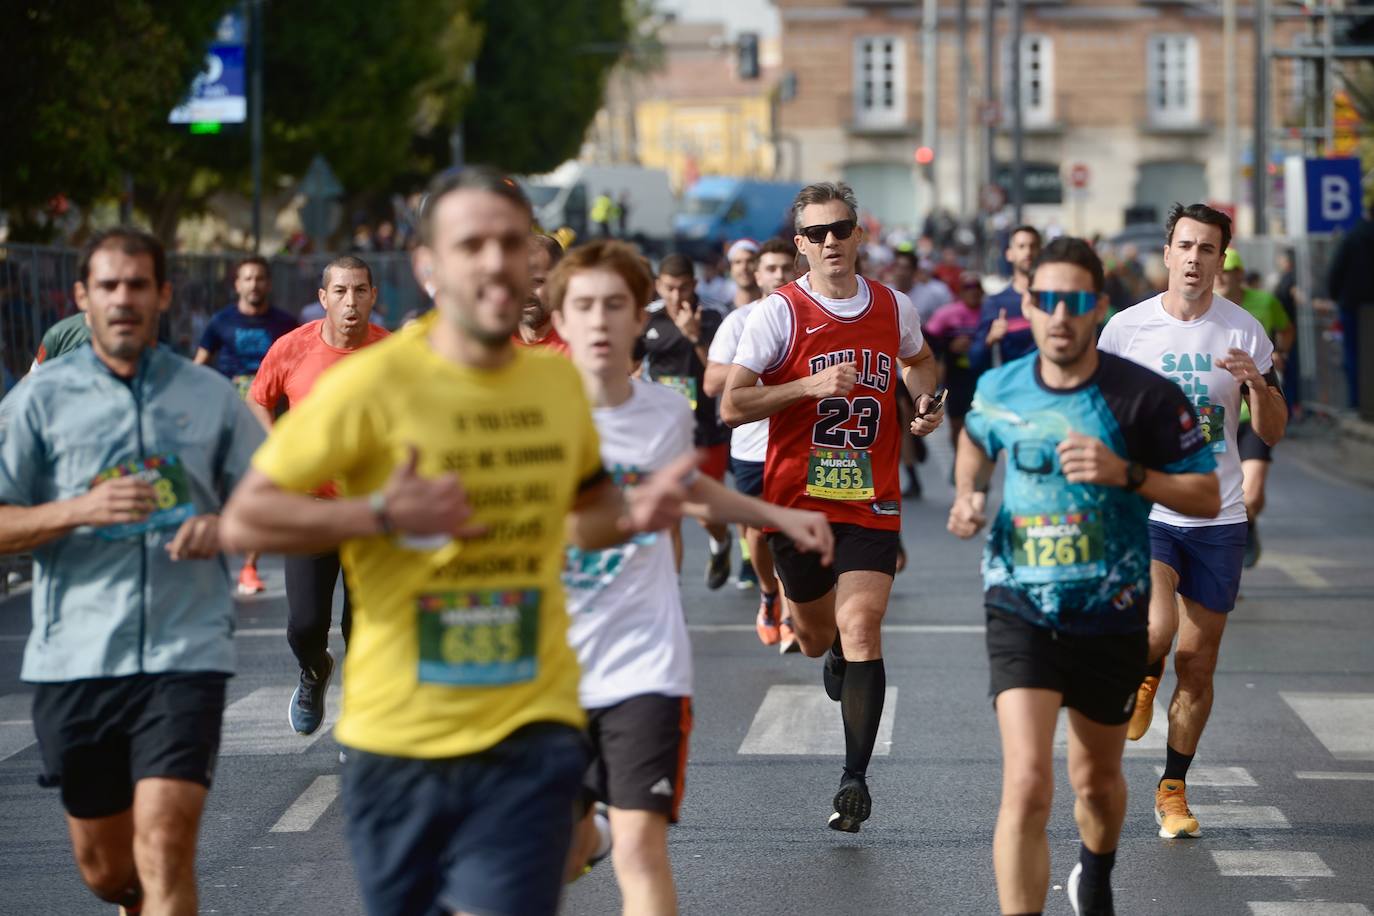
[{"x": 453, "y": 648}]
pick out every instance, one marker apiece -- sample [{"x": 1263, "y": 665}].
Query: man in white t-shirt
[
  {"x": 1218, "y": 354},
  {"x": 777, "y": 266},
  {"x": 627, "y": 623}
]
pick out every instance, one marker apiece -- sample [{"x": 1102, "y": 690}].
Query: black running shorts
[
  {"x": 99, "y": 737},
  {"x": 1097, "y": 675},
  {"x": 856, "y": 548},
  {"x": 1250, "y": 446},
  {"x": 639, "y": 753}
]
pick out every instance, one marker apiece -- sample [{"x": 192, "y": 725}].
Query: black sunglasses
[{"x": 816, "y": 235}]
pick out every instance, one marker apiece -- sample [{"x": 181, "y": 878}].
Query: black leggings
[{"x": 310, "y": 605}]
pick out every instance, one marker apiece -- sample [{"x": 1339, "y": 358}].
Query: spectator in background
[
  {"x": 714, "y": 288},
  {"x": 622, "y": 215},
  {"x": 1003, "y": 332},
  {"x": 902, "y": 273},
  {"x": 602, "y": 214},
  {"x": 743, "y": 258},
  {"x": 385, "y": 239},
  {"x": 1350, "y": 280},
  {"x": 1287, "y": 292},
  {"x": 928, "y": 293},
  {"x": 951, "y": 331},
  {"x": 949, "y": 271}
]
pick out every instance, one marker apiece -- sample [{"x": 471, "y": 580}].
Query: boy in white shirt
[
  {"x": 1217, "y": 353},
  {"x": 627, "y": 623}
]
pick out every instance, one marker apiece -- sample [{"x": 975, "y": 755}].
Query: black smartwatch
[{"x": 1135, "y": 476}]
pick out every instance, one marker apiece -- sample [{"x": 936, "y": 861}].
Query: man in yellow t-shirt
[{"x": 464, "y": 465}]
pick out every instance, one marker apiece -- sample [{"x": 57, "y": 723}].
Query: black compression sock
[
  {"x": 1095, "y": 884},
  {"x": 1155, "y": 670},
  {"x": 1176, "y": 765},
  {"x": 861, "y": 708}
]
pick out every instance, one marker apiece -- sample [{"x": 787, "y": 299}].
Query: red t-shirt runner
[
  {"x": 551, "y": 342},
  {"x": 293, "y": 365}
]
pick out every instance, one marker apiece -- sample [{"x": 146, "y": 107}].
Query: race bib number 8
[
  {"x": 684, "y": 385},
  {"x": 171, "y": 493},
  {"x": 484, "y": 637},
  {"x": 839, "y": 474},
  {"x": 1058, "y": 548},
  {"x": 1212, "y": 418}
]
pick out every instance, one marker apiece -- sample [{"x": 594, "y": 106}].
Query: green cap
[{"x": 1233, "y": 261}]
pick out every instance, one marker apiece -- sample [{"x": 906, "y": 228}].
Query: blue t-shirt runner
[
  {"x": 1075, "y": 558},
  {"x": 237, "y": 342}
]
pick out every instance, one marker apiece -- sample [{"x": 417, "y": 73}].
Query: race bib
[
  {"x": 684, "y": 385},
  {"x": 1058, "y": 548},
  {"x": 171, "y": 492},
  {"x": 1212, "y": 419},
  {"x": 834, "y": 473},
  {"x": 471, "y": 638},
  {"x": 242, "y": 384}
]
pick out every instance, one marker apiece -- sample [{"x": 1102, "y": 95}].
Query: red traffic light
[{"x": 924, "y": 155}]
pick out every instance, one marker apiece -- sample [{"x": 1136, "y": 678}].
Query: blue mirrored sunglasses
[{"x": 1079, "y": 302}]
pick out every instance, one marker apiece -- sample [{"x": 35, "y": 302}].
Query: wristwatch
[
  {"x": 376, "y": 501},
  {"x": 1135, "y": 476}
]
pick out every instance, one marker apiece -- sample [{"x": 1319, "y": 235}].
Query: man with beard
[
  {"x": 237, "y": 338},
  {"x": 743, "y": 257},
  {"x": 536, "y": 325},
  {"x": 1003, "y": 332},
  {"x": 464, "y": 465},
  {"x": 1092, "y": 440},
  {"x": 114, "y": 462},
  {"x": 289, "y": 371}
]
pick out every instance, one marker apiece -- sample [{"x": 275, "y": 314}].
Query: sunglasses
[
  {"x": 1079, "y": 302},
  {"x": 816, "y": 235}
]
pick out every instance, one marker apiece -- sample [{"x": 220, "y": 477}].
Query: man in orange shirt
[
  {"x": 290, "y": 369},
  {"x": 536, "y": 321}
]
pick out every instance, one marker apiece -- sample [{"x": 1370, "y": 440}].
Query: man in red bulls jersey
[{"x": 820, "y": 358}]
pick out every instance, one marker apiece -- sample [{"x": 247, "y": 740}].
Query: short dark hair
[
  {"x": 778, "y": 246},
  {"x": 130, "y": 241},
  {"x": 258, "y": 259},
  {"x": 1069, "y": 250},
  {"x": 822, "y": 192},
  {"x": 1199, "y": 213},
  {"x": 1039, "y": 239},
  {"x": 603, "y": 254},
  {"x": 345, "y": 262},
  {"x": 676, "y": 265},
  {"x": 906, "y": 254},
  {"x": 550, "y": 245},
  {"x": 468, "y": 178}
]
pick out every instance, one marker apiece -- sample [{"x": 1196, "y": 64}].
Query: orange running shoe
[
  {"x": 788, "y": 642},
  {"x": 766, "y": 624},
  {"x": 1172, "y": 812},
  {"x": 249, "y": 583},
  {"x": 1144, "y": 708}
]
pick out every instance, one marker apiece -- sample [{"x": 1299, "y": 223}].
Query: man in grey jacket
[{"x": 114, "y": 463}]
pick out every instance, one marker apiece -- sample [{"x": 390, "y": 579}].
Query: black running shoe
[
  {"x": 718, "y": 568},
  {"x": 852, "y": 804},
  {"x": 306, "y": 713},
  {"x": 1252, "y": 545},
  {"x": 832, "y": 674}
]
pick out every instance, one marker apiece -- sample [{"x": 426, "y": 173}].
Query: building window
[
  {"x": 1171, "y": 80},
  {"x": 879, "y": 81},
  {"x": 1037, "y": 80}
]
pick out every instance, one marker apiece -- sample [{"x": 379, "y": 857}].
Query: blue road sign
[
  {"x": 1334, "y": 197},
  {"x": 217, "y": 93}
]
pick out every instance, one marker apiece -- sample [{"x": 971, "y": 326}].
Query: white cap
[{"x": 748, "y": 245}]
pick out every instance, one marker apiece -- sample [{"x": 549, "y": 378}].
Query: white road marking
[
  {"x": 932, "y": 628},
  {"x": 1251, "y": 863},
  {"x": 1151, "y": 743},
  {"x": 1301, "y": 569},
  {"x": 797, "y": 720},
  {"x": 261, "y": 631},
  {"x": 308, "y": 809},
  {"x": 1307, "y": 908},
  {"x": 258, "y": 724},
  {"x": 1334, "y": 775},
  {"x": 16, "y": 731},
  {"x": 1240, "y": 816},
  {"x": 1344, "y": 722},
  {"x": 1216, "y": 776}
]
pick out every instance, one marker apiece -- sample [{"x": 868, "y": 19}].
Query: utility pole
[
  {"x": 1018, "y": 165},
  {"x": 1231, "y": 138},
  {"x": 964, "y": 94},
  {"x": 930, "y": 87},
  {"x": 1261, "y": 157},
  {"x": 989, "y": 108},
  {"x": 255, "y": 115}
]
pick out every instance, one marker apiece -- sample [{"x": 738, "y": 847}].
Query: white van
[{"x": 564, "y": 197}]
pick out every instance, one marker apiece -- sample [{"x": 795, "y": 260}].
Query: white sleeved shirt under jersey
[
  {"x": 769, "y": 326},
  {"x": 749, "y": 441},
  {"x": 624, "y": 604},
  {"x": 1186, "y": 353}
]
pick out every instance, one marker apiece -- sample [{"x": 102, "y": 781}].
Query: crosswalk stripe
[
  {"x": 1343, "y": 722},
  {"x": 798, "y": 720},
  {"x": 1253, "y": 863},
  {"x": 1307, "y": 908},
  {"x": 1240, "y": 817},
  {"x": 1217, "y": 776},
  {"x": 310, "y": 807},
  {"x": 16, "y": 731},
  {"x": 257, "y": 724},
  {"x": 1334, "y": 775},
  {"x": 1151, "y": 744}
]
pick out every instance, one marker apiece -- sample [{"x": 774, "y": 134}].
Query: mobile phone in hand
[{"x": 937, "y": 403}]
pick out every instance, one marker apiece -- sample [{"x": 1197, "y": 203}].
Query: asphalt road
[{"x": 1283, "y": 783}]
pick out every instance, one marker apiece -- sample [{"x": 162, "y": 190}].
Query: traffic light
[
  {"x": 924, "y": 155},
  {"x": 747, "y": 51}
]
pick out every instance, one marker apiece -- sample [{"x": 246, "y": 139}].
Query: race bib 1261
[
  {"x": 171, "y": 492},
  {"x": 483, "y": 637},
  {"x": 1058, "y": 547}
]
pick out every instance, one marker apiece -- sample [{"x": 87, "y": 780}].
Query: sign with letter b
[{"x": 1334, "y": 198}]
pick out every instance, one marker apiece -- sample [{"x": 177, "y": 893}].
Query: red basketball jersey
[{"x": 839, "y": 455}]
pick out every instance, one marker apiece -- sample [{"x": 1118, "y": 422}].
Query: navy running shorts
[
  {"x": 1208, "y": 560},
  {"x": 748, "y": 476}
]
